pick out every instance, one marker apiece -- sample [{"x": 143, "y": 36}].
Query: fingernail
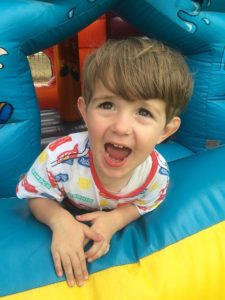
[
  {"x": 71, "y": 283},
  {"x": 60, "y": 274},
  {"x": 86, "y": 277},
  {"x": 79, "y": 283}
]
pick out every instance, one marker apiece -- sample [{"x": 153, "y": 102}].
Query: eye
[
  {"x": 145, "y": 113},
  {"x": 106, "y": 105}
]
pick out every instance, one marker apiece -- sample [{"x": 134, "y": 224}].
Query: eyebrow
[{"x": 104, "y": 97}]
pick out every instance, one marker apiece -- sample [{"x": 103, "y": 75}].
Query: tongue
[{"x": 117, "y": 153}]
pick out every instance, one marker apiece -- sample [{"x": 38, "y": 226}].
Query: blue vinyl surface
[{"x": 191, "y": 206}]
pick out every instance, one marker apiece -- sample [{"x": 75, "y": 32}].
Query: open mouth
[{"x": 116, "y": 152}]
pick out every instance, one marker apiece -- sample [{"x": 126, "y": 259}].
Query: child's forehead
[{"x": 101, "y": 92}]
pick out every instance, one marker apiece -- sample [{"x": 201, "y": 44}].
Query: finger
[
  {"x": 96, "y": 251},
  {"x": 85, "y": 241},
  {"x": 83, "y": 266},
  {"x": 57, "y": 263},
  {"x": 87, "y": 217},
  {"x": 92, "y": 235},
  {"x": 102, "y": 251},
  {"x": 98, "y": 254},
  {"x": 79, "y": 269},
  {"x": 68, "y": 269},
  {"x": 107, "y": 249},
  {"x": 93, "y": 249}
]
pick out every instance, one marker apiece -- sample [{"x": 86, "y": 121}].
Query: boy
[{"x": 133, "y": 91}]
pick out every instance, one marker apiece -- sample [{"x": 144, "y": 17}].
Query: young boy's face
[{"x": 122, "y": 134}]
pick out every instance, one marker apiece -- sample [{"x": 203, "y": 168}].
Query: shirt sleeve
[
  {"x": 156, "y": 191},
  {"x": 40, "y": 182}
]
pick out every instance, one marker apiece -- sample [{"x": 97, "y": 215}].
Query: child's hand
[
  {"x": 69, "y": 237},
  {"x": 104, "y": 224}
]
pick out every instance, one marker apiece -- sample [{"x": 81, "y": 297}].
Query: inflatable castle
[{"x": 176, "y": 252}]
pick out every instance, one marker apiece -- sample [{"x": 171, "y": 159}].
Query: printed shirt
[{"x": 65, "y": 169}]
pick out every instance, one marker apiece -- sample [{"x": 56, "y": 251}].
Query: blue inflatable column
[
  {"x": 196, "y": 28},
  {"x": 28, "y": 26},
  {"x": 19, "y": 134}
]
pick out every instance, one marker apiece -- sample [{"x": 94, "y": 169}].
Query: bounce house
[{"x": 176, "y": 252}]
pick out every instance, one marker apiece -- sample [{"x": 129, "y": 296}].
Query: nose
[{"x": 122, "y": 124}]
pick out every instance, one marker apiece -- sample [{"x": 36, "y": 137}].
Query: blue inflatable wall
[{"x": 175, "y": 252}]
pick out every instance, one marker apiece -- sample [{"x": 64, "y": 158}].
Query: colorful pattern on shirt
[{"x": 65, "y": 169}]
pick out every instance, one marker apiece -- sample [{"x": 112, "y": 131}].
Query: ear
[
  {"x": 82, "y": 108},
  {"x": 170, "y": 129}
]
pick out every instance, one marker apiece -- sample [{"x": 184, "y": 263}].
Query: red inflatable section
[{"x": 91, "y": 38}]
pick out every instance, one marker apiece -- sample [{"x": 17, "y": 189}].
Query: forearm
[
  {"x": 124, "y": 215},
  {"x": 48, "y": 211}
]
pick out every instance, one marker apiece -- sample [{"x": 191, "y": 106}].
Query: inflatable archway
[{"x": 175, "y": 252}]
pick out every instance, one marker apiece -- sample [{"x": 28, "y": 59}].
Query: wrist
[
  {"x": 122, "y": 216},
  {"x": 61, "y": 217}
]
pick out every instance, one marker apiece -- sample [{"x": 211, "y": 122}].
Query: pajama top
[{"x": 66, "y": 169}]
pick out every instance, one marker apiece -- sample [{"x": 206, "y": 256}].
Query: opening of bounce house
[{"x": 174, "y": 252}]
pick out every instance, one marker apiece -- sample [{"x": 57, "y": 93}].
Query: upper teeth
[{"x": 118, "y": 146}]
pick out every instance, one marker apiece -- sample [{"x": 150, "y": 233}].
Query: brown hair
[{"x": 139, "y": 68}]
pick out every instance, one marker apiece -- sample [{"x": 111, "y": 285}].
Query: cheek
[
  {"x": 148, "y": 139},
  {"x": 94, "y": 133},
  {"x": 149, "y": 134}
]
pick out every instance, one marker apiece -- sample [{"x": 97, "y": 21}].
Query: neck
[{"x": 114, "y": 185}]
